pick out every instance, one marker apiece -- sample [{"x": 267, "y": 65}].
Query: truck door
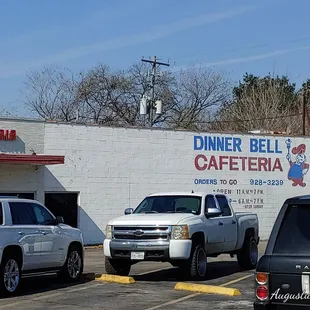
[
  {"x": 213, "y": 228},
  {"x": 230, "y": 228}
]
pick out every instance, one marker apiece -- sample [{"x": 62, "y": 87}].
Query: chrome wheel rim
[
  {"x": 253, "y": 252},
  {"x": 201, "y": 262},
  {"x": 74, "y": 264},
  {"x": 11, "y": 275}
]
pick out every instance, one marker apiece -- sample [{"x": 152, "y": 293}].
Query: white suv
[{"x": 34, "y": 242}]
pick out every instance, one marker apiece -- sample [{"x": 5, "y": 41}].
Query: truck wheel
[
  {"x": 196, "y": 266},
  {"x": 117, "y": 267},
  {"x": 73, "y": 267},
  {"x": 10, "y": 273},
  {"x": 248, "y": 255}
]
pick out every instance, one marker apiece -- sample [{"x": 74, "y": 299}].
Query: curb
[
  {"x": 114, "y": 279},
  {"x": 208, "y": 289}
]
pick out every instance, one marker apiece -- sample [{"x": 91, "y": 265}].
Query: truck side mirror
[
  {"x": 59, "y": 220},
  {"x": 128, "y": 211},
  {"x": 213, "y": 212}
]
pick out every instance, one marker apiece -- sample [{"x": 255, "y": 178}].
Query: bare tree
[
  {"x": 114, "y": 97},
  {"x": 51, "y": 93},
  {"x": 103, "y": 96},
  {"x": 200, "y": 92},
  {"x": 263, "y": 106}
]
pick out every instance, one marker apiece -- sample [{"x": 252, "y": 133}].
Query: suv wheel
[
  {"x": 117, "y": 267},
  {"x": 73, "y": 267},
  {"x": 248, "y": 255},
  {"x": 10, "y": 275},
  {"x": 196, "y": 266}
]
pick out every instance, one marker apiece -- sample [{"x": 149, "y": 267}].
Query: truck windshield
[
  {"x": 170, "y": 204},
  {"x": 294, "y": 234}
]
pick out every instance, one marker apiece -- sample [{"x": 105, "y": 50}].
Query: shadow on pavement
[
  {"x": 215, "y": 270},
  {"x": 43, "y": 284}
]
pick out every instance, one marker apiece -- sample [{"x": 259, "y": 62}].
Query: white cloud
[
  {"x": 245, "y": 59},
  {"x": 148, "y": 36}
]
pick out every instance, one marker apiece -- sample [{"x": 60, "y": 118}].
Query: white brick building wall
[{"x": 114, "y": 168}]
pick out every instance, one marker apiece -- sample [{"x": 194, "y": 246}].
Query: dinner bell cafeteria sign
[{"x": 236, "y": 165}]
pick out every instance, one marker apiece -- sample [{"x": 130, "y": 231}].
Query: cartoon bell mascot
[{"x": 298, "y": 168}]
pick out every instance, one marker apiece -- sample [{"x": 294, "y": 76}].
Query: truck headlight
[
  {"x": 180, "y": 232},
  {"x": 108, "y": 232}
]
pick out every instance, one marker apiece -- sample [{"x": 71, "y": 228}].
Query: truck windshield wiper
[{"x": 150, "y": 212}]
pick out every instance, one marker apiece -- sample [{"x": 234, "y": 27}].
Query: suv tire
[
  {"x": 196, "y": 266},
  {"x": 10, "y": 275},
  {"x": 117, "y": 267},
  {"x": 248, "y": 255},
  {"x": 73, "y": 268}
]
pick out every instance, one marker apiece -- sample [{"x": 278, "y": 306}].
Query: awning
[{"x": 29, "y": 159}]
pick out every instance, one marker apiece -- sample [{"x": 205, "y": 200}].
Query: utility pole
[{"x": 154, "y": 63}]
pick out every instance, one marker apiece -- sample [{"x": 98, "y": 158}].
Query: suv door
[
  {"x": 52, "y": 238},
  {"x": 214, "y": 228},
  {"x": 230, "y": 224},
  {"x": 27, "y": 236}
]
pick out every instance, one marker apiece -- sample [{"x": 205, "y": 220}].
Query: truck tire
[
  {"x": 248, "y": 255},
  {"x": 196, "y": 266},
  {"x": 73, "y": 267},
  {"x": 117, "y": 267},
  {"x": 10, "y": 275}
]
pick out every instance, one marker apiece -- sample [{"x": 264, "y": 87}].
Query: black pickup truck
[{"x": 282, "y": 279}]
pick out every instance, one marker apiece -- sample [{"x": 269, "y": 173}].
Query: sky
[{"x": 231, "y": 36}]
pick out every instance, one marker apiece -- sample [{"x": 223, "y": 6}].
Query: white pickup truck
[{"x": 181, "y": 228}]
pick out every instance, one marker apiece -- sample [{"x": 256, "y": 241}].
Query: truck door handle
[
  {"x": 234, "y": 222},
  {"x": 220, "y": 224},
  {"x": 21, "y": 233}
]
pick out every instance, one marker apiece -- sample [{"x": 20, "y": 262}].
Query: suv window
[
  {"x": 224, "y": 205},
  {"x": 43, "y": 217},
  {"x": 1, "y": 213},
  {"x": 294, "y": 233},
  {"x": 21, "y": 214}
]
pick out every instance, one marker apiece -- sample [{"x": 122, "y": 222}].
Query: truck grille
[{"x": 141, "y": 232}]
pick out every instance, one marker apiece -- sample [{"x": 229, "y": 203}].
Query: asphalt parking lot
[{"x": 154, "y": 288}]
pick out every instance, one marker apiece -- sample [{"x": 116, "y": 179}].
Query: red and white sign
[{"x": 7, "y": 135}]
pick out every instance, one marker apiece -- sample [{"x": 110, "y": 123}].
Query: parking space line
[
  {"x": 237, "y": 280},
  {"x": 175, "y": 301},
  {"x": 46, "y": 296},
  {"x": 42, "y": 297},
  {"x": 84, "y": 288}
]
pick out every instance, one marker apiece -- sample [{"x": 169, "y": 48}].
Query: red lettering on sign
[
  {"x": 233, "y": 162},
  {"x": 7, "y": 135},
  {"x": 204, "y": 166}
]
